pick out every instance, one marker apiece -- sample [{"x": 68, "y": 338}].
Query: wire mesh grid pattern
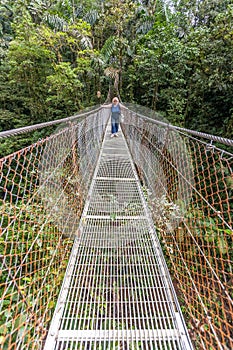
[
  {"x": 117, "y": 293},
  {"x": 43, "y": 188},
  {"x": 189, "y": 189},
  {"x": 187, "y": 183}
]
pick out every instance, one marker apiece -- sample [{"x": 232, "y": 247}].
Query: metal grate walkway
[{"x": 117, "y": 293}]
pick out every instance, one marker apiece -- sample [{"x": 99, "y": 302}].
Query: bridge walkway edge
[{"x": 117, "y": 292}]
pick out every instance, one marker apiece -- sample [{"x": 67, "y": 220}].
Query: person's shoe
[
  {"x": 116, "y": 135},
  {"x": 112, "y": 135}
]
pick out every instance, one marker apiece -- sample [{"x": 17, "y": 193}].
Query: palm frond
[
  {"x": 145, "y": 27},
  {"x": 97, "y": 61},
  {"x": 91, "y": 17},
  {"x": 55, "y": 22},
  {"x": 108, "y": 48},
  {"x": 79, "y": 11},
  {"x": 86, "y": 43},
  {"x": 36, "y": 7}
]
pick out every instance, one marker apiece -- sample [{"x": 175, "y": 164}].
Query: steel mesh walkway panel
[{"x": 117, "y": 292}]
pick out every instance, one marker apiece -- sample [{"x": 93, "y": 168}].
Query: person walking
[
  {"x": 115, "y": 116},
  {"x": 116, "y": 107}
]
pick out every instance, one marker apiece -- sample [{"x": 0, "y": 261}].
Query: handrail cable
[
  {"x": 26, "y": 129},
  {"x": 220, "y": 139}
]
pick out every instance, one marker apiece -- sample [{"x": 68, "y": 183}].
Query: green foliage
[
  {"x": 211, "y": 80},
  {"x": 108, "y": 48},
  {"x": 6, "y": 32},
  {"x": 176, "y": 60},
  {"x": 32, "y": 280},
  {"x": 63, "y": 87},
  {"x": 55, "y": 55},
  {"x": 91, "y": 17},
  {"x": 185, "y": 71},
  {"x": 55, "y": 22},
  {"x": 43, "y": 72},
  {"x": 211, "y": 232}
]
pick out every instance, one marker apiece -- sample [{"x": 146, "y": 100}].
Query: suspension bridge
[{"x": 116, "y": 243}]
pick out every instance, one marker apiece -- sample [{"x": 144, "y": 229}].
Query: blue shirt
[{"x": 116, "y": 108}]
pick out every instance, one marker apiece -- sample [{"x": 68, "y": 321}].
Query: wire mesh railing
[
  {"x": 117, "y": 292},
  {"x": 188, "y": 184},
  {"x": 189, "y": 187},
  {"x": 43, "y": 188}
]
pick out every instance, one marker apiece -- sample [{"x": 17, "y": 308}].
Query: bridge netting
[{"x": 78, "y": 203}]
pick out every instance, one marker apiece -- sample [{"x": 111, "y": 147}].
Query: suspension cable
[
  {"x": 25, "y": 129},
  {"x": 220, "y": 139}
]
